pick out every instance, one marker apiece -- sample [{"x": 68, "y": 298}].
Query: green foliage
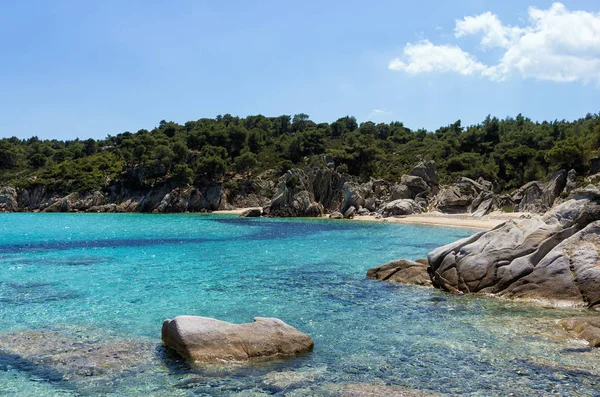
[
  {"x": 182, "y": 175},
  {"x": 245, "y": 162},
  {"x": 510, "y": 151}
]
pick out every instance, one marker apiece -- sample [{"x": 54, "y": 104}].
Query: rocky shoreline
[
  {"x": 553, "y": 259},
  {"x": 310, "y": 192}
]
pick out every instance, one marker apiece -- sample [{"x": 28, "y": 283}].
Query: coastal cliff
[{"x": 312, "y": 191}]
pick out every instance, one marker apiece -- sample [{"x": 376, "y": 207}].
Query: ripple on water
[{"x": 95, "y": 284}]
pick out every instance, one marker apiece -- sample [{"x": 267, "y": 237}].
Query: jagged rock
[
  {"x": 336, "y": 215},
  {"x": 587, "y": 328},
  {"x": 487, "y": 185},
  {"x": 252, "y": 213},
  {"x": 551, "y": 257},
  {"x": 427, "y": 171},
  {"x": 571, "y": 181},
  {"x": 553, "y": 188},
  {"x": 8, "y": 199},
  {"x": 402, "y": 271},
  {"x": 64, "y": 204},
  {"x": 528, "y": 197},
  {"x": 400, "y": 207},
  {"x": 482, "y": 204},
  {"x": 203, "y": 339},
  {"x": 350, "y": 212},
  {"x": 354, "y": 195}
]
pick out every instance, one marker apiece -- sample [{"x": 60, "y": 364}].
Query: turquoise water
[{"x": 115, "y": 277}]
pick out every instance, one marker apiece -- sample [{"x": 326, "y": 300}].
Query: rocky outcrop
[
  {"x": 402, "y": 271},
  {"x": 587, "y": 328},
  {"x": 458, "y": 198},
  {"x": 427, "y": 171},
  {"x": 203, "y": 339},
  {"x": 551, "y": 257},
  {"x": 8, "y": 199}
]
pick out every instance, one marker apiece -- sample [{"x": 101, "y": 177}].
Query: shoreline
[{"x": 486, "y": 222}]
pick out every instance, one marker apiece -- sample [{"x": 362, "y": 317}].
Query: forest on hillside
[{"x": 510, "y": 151}]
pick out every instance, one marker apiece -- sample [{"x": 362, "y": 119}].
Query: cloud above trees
[{"x": 556, "y": 44}]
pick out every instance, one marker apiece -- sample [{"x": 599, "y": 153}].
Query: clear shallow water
[{"x": 115, "y": 276}]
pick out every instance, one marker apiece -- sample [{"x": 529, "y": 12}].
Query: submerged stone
[{"x": 587, "y": 328}]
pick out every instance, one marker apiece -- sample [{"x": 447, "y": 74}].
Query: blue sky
[{"x": 88, "y": 69}]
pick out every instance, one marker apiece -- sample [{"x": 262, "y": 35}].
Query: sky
[{"x": 80, "y": 69}]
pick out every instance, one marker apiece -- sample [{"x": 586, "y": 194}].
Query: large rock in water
[
  {"x": 553, "y": 258},
  {"x": 203, "y": 339},
  {"x": 402, "y": 271}
]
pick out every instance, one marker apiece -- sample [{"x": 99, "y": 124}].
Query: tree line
[{"x": 509, "y": 151}]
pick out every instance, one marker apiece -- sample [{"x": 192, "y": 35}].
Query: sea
[{"x": 83, "y": 298}]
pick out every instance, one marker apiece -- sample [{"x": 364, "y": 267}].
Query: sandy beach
[{"x": 489, "y": 221}]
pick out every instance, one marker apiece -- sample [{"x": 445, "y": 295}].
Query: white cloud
[
  {"x": 376, "y": 113},
  {"x": 556, "y": 44},
  {"x": 426, "y": 57},
  {"x": 494, "y": 33}
]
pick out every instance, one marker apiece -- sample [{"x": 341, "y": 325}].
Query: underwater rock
[
  {"x": 370, "y": 390},
  {"x": 85, "y": 362},
  {"x": 204, "y": 339},
  {"x": 587, "y": 328},
  {"x": 402, "y": 271}
]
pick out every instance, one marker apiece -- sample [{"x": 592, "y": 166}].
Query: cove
[{"x": 103, "y": 283}]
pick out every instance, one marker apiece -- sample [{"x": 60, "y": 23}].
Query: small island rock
[{"x": 203, "y": 339}]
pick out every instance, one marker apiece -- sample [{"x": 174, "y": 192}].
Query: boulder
[
  {"x": 349, "y": 213},
  {"x": 415, "y": 184},
  {"x": 551, "y": 258},
  {"x": 402, "y": 271},
  {"x": 454, "y": 199},
  {"x": 336, "y": 215},
  {"x": 528, "y": 198},
  {"x": 354, "y": 195},
  {"x": 427, "y": 171},
  {"x": 252, "y": 213},
  {"x": 587, "y": 328},
  {"x": 8, "y": 199},
  {"x": 400, "y": 207},
  {"x": 400, "y": 192},
  {"x": 203, "y": 339}
]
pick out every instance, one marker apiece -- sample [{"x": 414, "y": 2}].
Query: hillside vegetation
[{"x": 511, "y": 151}]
